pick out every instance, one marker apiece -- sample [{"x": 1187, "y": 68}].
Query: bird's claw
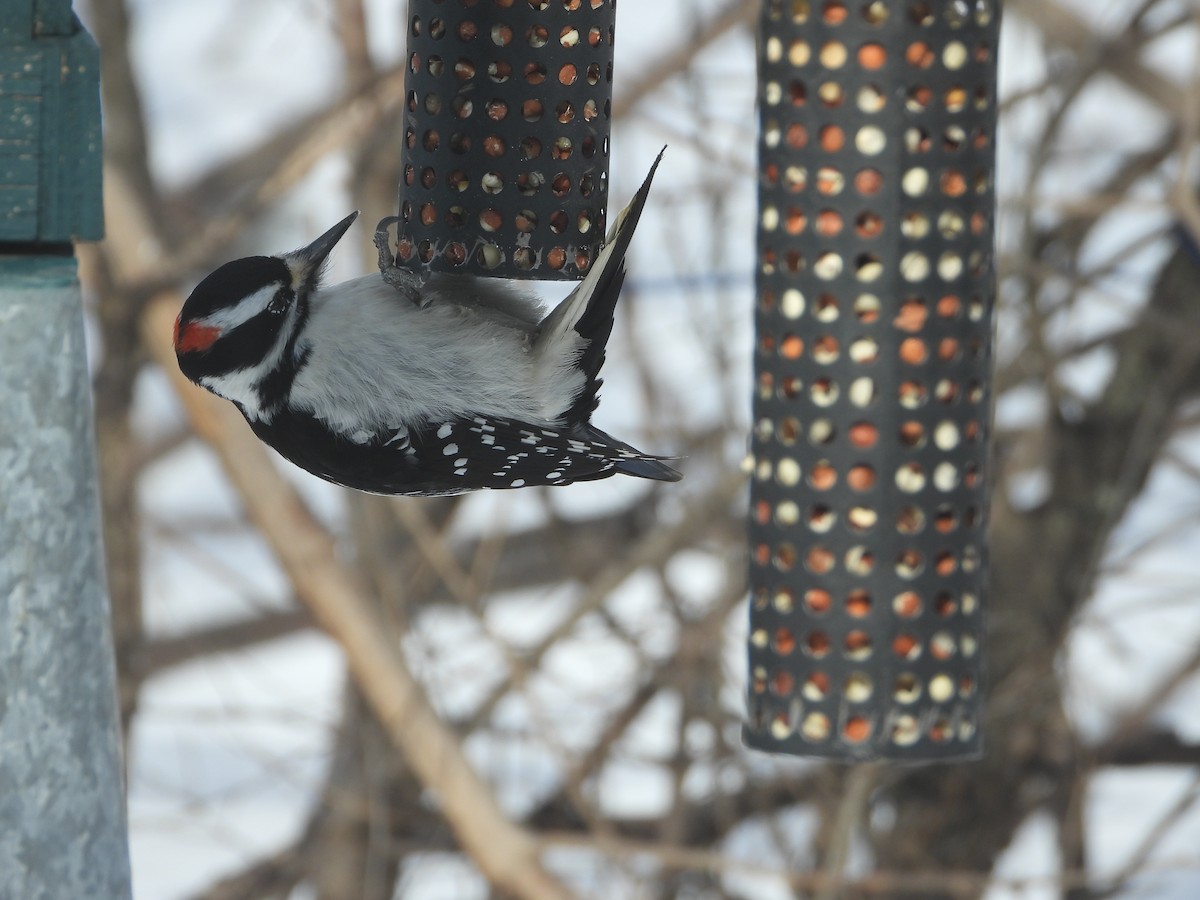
[
  {"x": 383, "y": 243},
  {"x": 399, "y": 278}
]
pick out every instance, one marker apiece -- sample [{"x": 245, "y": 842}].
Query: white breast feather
[{"x": 375, "y": 360}]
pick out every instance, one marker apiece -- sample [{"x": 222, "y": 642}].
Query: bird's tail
[
  {"x": 651, "y": 467},
  {"x": 630, "y": 460},
  {"x": 588, "y": 310}
]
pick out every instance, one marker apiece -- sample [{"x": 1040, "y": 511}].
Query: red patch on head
[{"x": 192, "y": 337}]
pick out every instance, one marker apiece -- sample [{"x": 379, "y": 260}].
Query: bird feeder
[
  {"x": 875, "y": 291},
  {"x": 506, "y": 139},
  {"x": 63, "y": 799}
]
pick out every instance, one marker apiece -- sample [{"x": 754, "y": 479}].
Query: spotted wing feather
[
  {"x": 502, "y": 453},
  {"x": 452, "y": 457}
]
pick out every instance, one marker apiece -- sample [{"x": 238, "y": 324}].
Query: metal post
[{"x": 62, "y": 803}]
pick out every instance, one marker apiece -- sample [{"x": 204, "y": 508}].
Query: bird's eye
[{"x": 280, "y": 302}]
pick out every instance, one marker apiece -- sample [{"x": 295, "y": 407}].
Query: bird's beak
[{"x": 307, "y": 262}]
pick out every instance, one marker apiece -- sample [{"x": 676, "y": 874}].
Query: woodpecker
[{"x": 413, "y": 385}]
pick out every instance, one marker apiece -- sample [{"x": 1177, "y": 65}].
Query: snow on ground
[{"x": 226, "y": 753}]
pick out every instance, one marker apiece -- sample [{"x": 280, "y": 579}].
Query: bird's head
[{"x": 234, "y": 331}]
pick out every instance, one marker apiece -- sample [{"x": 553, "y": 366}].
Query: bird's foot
[
  {"x": 383, "y": 244},
  {"x": 404, "y": 281}
]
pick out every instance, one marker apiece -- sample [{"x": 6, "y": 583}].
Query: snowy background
[{"x": 227, "y": 754}]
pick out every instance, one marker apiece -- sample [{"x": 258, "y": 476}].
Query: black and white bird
[{"x": 414, "y": 386}]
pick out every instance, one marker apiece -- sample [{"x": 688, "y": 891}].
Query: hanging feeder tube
[
  {"x": 506, "y": 143},
  {"x": 872, "y": 402}
]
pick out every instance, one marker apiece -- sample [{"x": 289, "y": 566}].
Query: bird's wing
[
  {"x": 463, "y": 454},
  {"x": 484, "y": 452}
]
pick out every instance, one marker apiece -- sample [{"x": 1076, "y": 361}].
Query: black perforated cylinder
[
  {"x": 506, "y": 143},
  {"x": 872, "y": 402}
]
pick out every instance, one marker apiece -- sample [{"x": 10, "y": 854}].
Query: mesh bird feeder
[
  {"x": 872, "y": 400},
  {"x": 506, "y": 142}
]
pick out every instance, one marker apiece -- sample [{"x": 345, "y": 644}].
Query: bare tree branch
[
  {"x": 160, "y": 654},
  {"x": 1065, "y": 27},
  {"x": 504, "y": 852},
  {"x": 734, "y": 14}
]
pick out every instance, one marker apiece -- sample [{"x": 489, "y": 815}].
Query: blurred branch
[
  {"x": 126, "y": 148},
  {"x": 370, "y": 804},
  {"x": 1153, "y": 747},
  {"x": 504, "y": 852},
  {"x": 1067, "y": 29},
  {"x": 531, "y": 559},
  {"x": 279, "y": 164},
  {"x": 159, "y": 654},
  {"x": 152, "y": 450},
  {"x": 735, "y": 13},
  {"x": 1151, "y": 842},
  {"x": 437, "y": 552},
  {"x": 134, "y": 227},
  {"x": 350, "y": 22},
  {"x": 707, "y": 820},
  {"x": 851, "y": 813},
  {"x": 1134, "y": 723},
  {"x": 655, "y": 549},
  {"x": 271, "y": 878},
  {"x": 1063, "y": 241},
  {"x": 930, "y": 882}
]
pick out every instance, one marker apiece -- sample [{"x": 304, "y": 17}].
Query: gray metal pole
[{"x": 62, "y": 801}]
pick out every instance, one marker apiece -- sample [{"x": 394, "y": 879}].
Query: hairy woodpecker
[{"x": 409, "y": 385}]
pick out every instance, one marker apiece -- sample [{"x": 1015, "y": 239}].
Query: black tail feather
[
  {"x": 632, "y": 461},
  {"x": 651, "y": 467},
  {"x": 596, "y": 323}
]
